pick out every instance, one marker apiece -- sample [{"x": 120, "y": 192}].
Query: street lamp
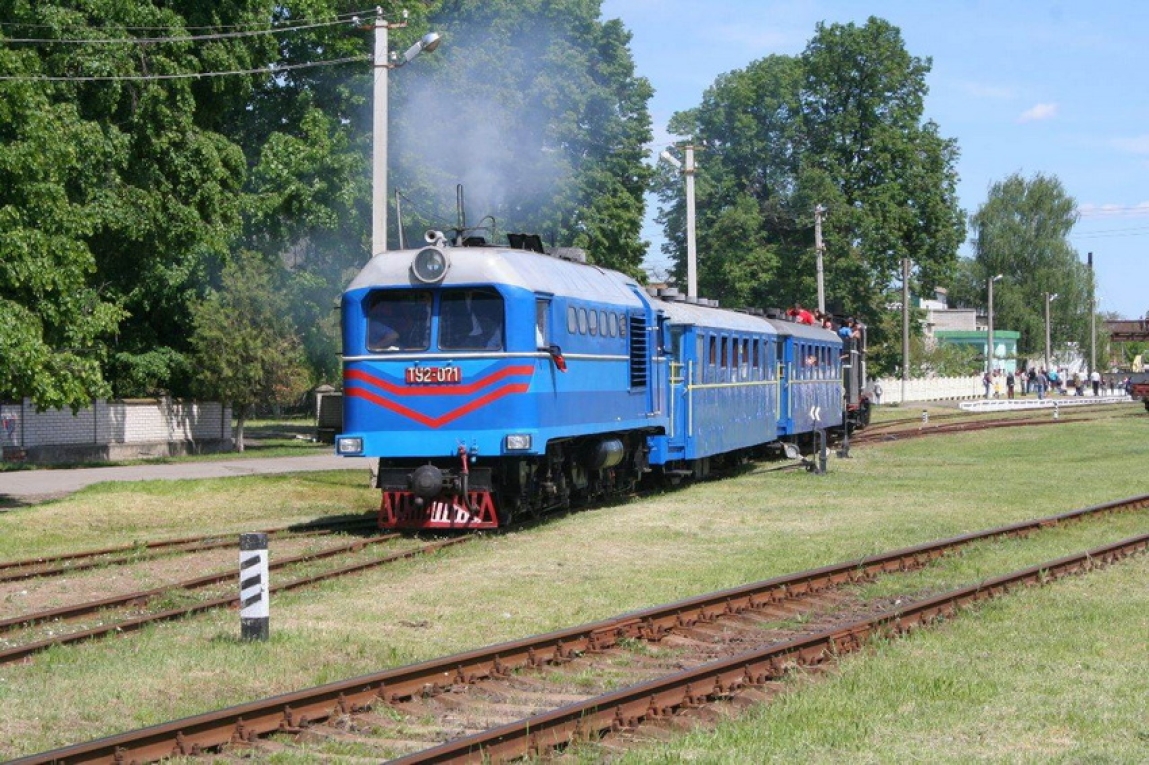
[
  {"x": 383, "y": 62},
  {"x": 989, "y": 339},
  {"x": 691, "y": 254},
  {"x": 1049, "y": 298}
]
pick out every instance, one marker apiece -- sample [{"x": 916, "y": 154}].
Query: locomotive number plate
[{"x": 433, "y": 375}]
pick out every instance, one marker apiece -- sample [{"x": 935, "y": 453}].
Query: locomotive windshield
[
  {"x": 399, "y": 321},
  {"x": 470, "y": 320}
]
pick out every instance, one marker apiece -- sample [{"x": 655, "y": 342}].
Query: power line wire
[
  {"x": 344, "y": 17},
  {"x": 157, "y": 40},
  {"x": 275, "y": 69}
]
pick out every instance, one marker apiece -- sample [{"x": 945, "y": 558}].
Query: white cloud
[
  {"x": 1135, "y": 145},
  {"x": 1110, "y": 210},
  {"x": 1038, "y": 112}
]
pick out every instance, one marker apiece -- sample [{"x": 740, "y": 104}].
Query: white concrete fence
[
  {"x": 950, "y": 388},
  {"x": 114, "y": 430}
]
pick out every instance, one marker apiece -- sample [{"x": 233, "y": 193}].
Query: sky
[{"x": 1055, "y": 87}]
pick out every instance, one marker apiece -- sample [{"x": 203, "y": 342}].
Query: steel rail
[
  {"x": 18, "y": 652},
  {"x": 292, "y": 712},
  {"x": 724, "y": 678},
  {"x": 67, "y": 563}
]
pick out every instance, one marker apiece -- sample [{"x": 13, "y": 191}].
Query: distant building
[{"x": 968, "y": 327}]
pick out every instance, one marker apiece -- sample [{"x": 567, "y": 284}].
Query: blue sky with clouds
[{"x": 1025, "y": 86}]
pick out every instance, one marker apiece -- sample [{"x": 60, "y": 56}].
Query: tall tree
[
  {"x": 166, "y": 174},
  {"x": 841, "y": 126},
  {"x": 55, "y": 324},
  {"x": 1022, "y": 232},
  {"x": 161, "y": 192},
  {"x": 747, "y": 132}
]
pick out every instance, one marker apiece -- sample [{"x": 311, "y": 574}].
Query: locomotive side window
[
  {"x": 471, "y": 320},
  {"x": 582, "y": 321},
  {"x": 399, "y": 321},
  {"x": 592, "y": 322},
  {"x": 613, "y": 324},
  {"x": 572, "y": 320},
  {"x": 542, "y": 334}
]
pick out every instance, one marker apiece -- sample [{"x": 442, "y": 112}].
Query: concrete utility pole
[
  {"x": 1049, "y": 298},
  {"x": 1092, "y": 320},
  {"x": 819, "y": 248},
  {"x": 989, "y": 354},
  {"x": 905, "y": 325},
  {"x": 691, "y": 250},
  {"x": 382, "y": 63}
]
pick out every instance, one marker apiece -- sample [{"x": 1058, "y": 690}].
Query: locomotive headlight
[
  {"x": 430, "y": 265},
  {"x": 349, "y": 445},
  {"x": 518, "y": 442}
]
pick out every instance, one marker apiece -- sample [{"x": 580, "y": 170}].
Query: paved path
[{"x": 23, "y": 486}]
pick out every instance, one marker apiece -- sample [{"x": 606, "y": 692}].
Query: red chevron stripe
[
  {"x": 438, "y": 422},
  {"x": 438, "y": 390}
]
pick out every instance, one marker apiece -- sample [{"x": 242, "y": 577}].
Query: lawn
[{"x": 1055, "y": 674}]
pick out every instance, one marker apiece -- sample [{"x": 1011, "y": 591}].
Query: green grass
[{"x": 1027, "y": 679}]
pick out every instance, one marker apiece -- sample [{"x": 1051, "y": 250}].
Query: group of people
[
  {"x": 1040, "y": 381},
  {"x": 851, "y": 329}
]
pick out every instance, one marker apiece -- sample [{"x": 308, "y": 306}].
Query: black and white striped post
[{"x": 254, "y": 586}]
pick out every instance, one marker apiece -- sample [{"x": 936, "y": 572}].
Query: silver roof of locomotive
[{"x": 504, "y": 266}]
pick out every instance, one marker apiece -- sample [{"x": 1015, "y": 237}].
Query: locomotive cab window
[
  {"x": 399, "y": 321},
  {"x": 542, "y": 333},
  {"x": 471, "y": 320}
]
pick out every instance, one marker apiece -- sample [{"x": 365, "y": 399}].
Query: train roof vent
[
  {"x": 529, "y": 242},
  {"x": 668, "y": 293},
  {"x": 573, "y": 254}
]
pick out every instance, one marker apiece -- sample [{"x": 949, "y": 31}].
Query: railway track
[
  {"x": 28, "y": 634},
  {"x": 530, "y": 697},
  {"x": 68, "y": 563}
]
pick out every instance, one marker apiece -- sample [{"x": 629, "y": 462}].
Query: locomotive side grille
[{"x": 638, "y": 341}]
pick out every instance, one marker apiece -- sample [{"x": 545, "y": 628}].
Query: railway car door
[{"x": 679, "y": 384}]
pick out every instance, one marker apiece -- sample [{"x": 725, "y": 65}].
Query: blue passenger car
[{"x": 722, "y": 384}]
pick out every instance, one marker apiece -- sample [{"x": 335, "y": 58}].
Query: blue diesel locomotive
[{"x": 493, "y": 382}]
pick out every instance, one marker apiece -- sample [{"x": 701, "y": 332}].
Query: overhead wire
[
  {"x": 274, "y": 69},
  {"x": 340, "y": 19}
]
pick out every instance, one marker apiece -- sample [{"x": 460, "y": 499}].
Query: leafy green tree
[
  {"x": 165, "y": 175},
  {"x": 839, "y": 126},
  {"x": 246, "y": 350},
  {"x": 1022, "y": 232},
  {"x": 159, "y": 191},
  {"x": 55, "y": 325},
  {"x": 747, "y": 132}
]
